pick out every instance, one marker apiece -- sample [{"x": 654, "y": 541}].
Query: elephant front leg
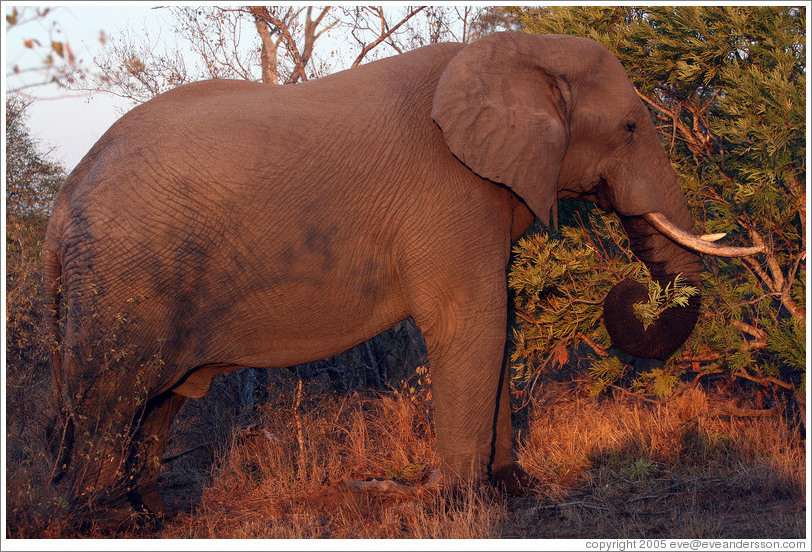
[
  {"x": 508, "y": 476},
  {"x": 466, "y": 348}
]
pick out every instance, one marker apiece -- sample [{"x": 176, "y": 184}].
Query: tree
[
  {"x": 725, "y": 86},
  {"x": 271, "y": 44},
  {"x": 31, "y": 178},
  {"x": 31, "y": 184},
  {"x": 32, "y": 181}
]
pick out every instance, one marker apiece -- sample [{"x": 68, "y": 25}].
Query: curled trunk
[{"x": 665, "y": 260}]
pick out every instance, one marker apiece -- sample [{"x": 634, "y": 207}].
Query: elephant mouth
[{"x": 701, "y": 244}]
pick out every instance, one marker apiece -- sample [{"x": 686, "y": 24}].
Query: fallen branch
[
  {"x": 393, "y": 488},
  {"x": 738, "y": 412},
  {"x": 183, "y": 453},
  {"x": 382, "y": 486},
  {"x": 765, "y": 380}
]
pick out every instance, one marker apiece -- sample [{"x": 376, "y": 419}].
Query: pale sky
[{"x": 71, "y": 122}]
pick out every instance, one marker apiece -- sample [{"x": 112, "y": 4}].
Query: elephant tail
[{"x": 60, "y": 433}]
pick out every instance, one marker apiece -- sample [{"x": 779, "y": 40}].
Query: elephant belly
[
  {"x": 254, "y": 275},
  {"x": 298, "y": 303},
  {"x": 269, "y": 331},
  {"x": 298, "y": 322}
]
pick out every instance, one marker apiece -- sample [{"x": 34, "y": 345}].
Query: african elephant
[{"x": 228, "y": 224}]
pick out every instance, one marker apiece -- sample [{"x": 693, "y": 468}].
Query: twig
[
  {"x": 299, "y": 428},
  {"x": 183, "y": 453},
  {"x": 385, "y": 33},
  {"x": 765, "y": 380},
  {"x": 678, "y": 484},
  {"x": 736, "y": 412},
  {"x": 707, "y": 373},
  {"x": 581, "y": 503},
  {"x": 595, "y": 347},
  {"x": 634, "y": 395}
]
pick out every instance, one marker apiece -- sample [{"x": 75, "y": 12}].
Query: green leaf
[{"x": 675, "y": 294}]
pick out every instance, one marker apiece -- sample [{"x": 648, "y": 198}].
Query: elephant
[{"x": 228, "y": 224}]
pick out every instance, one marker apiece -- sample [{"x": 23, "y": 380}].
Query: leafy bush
[{"x": 31, "y": 183}]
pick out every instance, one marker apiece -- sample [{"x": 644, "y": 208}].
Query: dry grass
[
  {"x": 278, "y": 482},
  {"x": 605, "y": 468},
  {"x": 615, "y": 469},
  {"x": 33, "y": 509}
]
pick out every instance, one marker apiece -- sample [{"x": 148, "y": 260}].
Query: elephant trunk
[{"x": 665, "y": 260}]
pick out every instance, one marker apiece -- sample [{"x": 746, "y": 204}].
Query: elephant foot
[
  {"x": 512, "y": 480},
  {"x": 139, "y": 512},
  {"x": 148, "y": 502},
  {"x": 116, "y": 520}
]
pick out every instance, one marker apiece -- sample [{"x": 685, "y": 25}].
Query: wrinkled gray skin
[{"x": 227, "y": 224}]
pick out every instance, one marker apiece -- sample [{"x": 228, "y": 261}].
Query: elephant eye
[{"x": 631, "y": 126}]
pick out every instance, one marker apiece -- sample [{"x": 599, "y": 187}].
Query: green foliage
[
  {"x": 548, "y": 278},
  {"x": 605, "y": 372},
  {"x": 31, "y": 184},
  {"x": 783, "y": 338},
  {"x": 641, "y": 469},
  {"x": 726, "y": 88},
  {"x": 659, "y": 381},
  {"x": 559, "y": 286},
  {"x": 675, "y": 294}
]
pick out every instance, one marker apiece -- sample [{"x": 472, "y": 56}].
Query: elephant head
[{"x": 557, "y": 116}]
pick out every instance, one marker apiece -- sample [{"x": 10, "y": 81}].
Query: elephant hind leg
[
  {"x": 147, "y": 447},
  {"x": 117, "y": 457}
]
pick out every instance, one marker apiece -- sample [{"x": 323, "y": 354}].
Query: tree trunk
[{"x": 268, "y": 58}]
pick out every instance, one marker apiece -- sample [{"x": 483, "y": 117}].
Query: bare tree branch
[
  {"x": 286, "y": 47},
  {"x": 385, "y": 32}
]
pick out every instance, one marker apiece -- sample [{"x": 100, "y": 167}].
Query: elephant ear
[{"x": 503, "y": 114}]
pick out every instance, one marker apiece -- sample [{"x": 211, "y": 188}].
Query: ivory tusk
[
  {"x": 696, "y": 243},
  {"x": 713, "y": 237}
]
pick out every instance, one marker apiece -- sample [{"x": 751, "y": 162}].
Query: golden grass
[
  {"x": 579, "y": 440},
  {"x": 617, "y": 469},
  {"x": 605, "y": 468},
  {"x": 272, "y": 484}
]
